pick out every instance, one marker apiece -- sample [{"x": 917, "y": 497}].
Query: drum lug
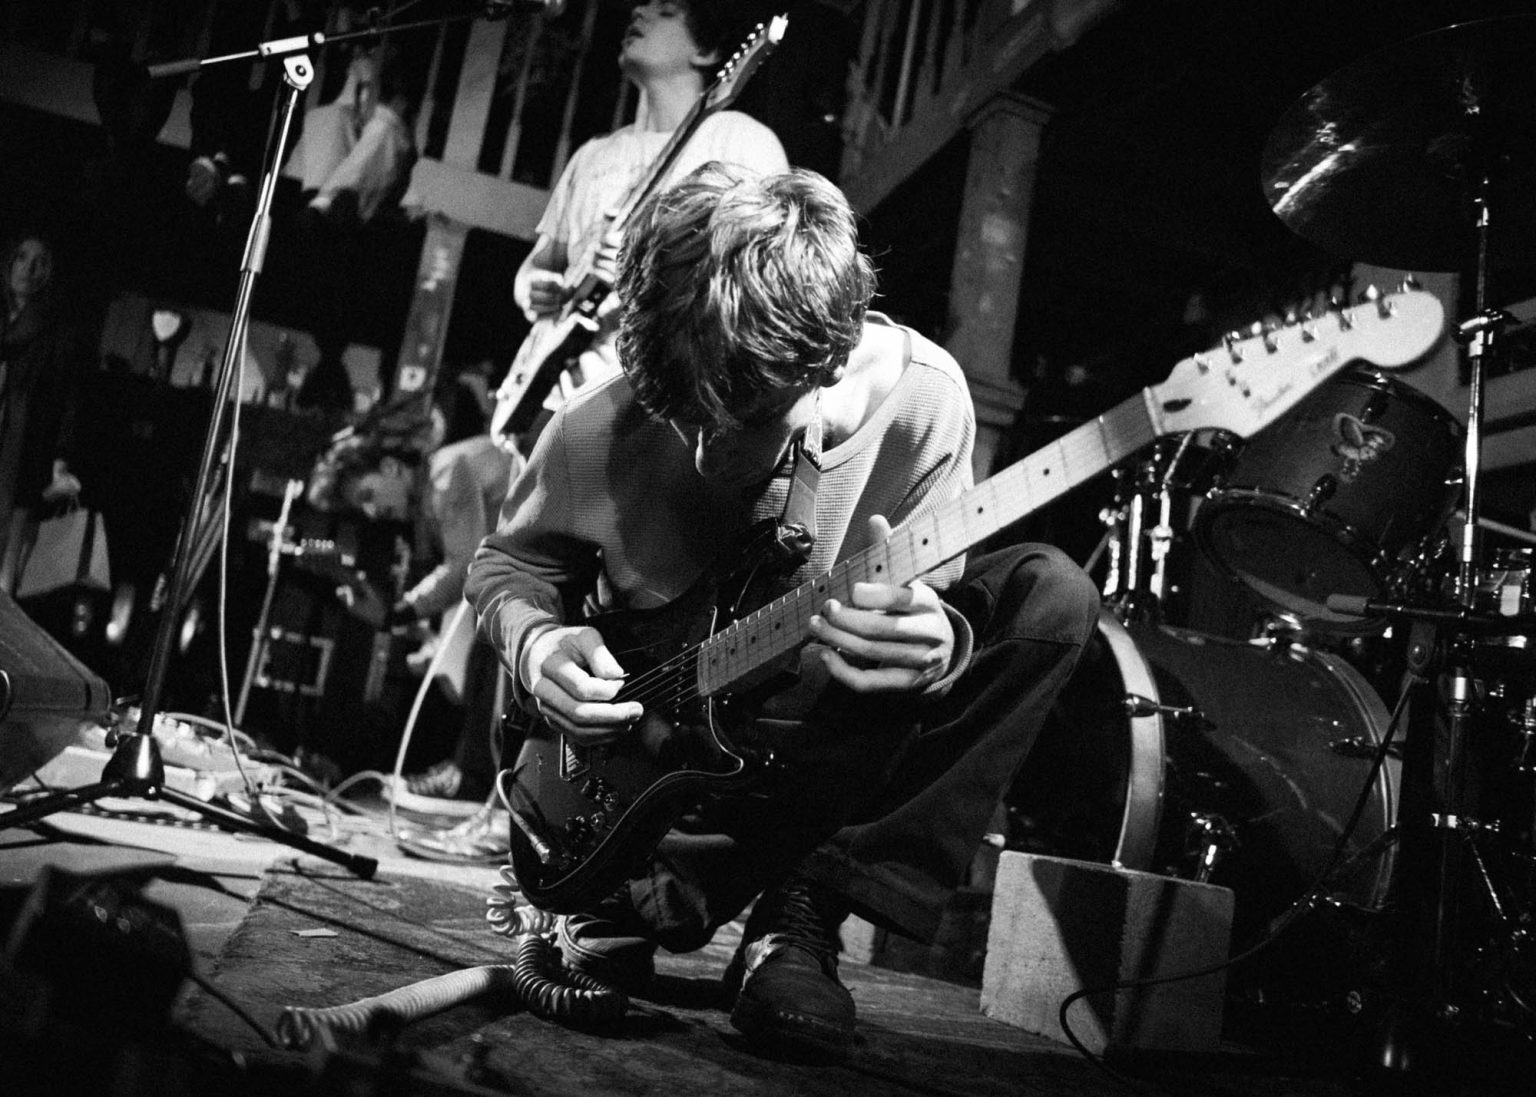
[
  {"x": 1137, "y": 705},
  {"x": 1359, "y": 746}
]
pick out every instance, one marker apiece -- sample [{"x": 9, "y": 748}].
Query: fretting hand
[{"x": 887, "y": 638}]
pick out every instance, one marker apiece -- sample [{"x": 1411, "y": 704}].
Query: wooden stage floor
[{"x": 269, "y": 930}]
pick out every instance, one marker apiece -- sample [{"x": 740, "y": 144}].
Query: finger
[
  {"x": 863, "y": 651},
  {"x": 872, "y": 679},
  {"x": 593, "y": 721},
  {"x": 838, "y": 622},
  {"x": 594, "y": 652},
  {"x": 569, "y": 677},
  {"x": 890, "y": 599},
  {"x": 879, "y": 528}
]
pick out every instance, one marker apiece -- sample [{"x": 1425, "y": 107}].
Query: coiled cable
[
  {"x": 537, "y": 979},
  {"x": 544, "y": 984}
]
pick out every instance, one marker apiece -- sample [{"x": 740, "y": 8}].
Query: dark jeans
[
  {"x": 886, "y": 803},
  {"x": 478, "y": 752}
]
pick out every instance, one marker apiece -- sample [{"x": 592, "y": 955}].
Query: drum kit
[{"x": 1269, "y": 762}]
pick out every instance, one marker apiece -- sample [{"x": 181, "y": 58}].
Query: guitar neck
[
  {"x": 932, "y": 539},
  {"x": 662, "y": 164}
]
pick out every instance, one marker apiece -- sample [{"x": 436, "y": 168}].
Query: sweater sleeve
[{"x": 521, "y": 573}]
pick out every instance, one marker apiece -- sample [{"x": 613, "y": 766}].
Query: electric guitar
[
  {"x": 559, "y": 339},
  {"x": 585, "y": 816}
]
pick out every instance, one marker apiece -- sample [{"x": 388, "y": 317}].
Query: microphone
[{"x": 500, "y": 9}]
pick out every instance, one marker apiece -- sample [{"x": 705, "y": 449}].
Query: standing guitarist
[
  {"x": 748, "y": 352},
  {"x": 669, "y": 51}
]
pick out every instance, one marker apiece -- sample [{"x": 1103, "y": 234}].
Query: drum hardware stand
[
  {"x": 1160, "y": 536},
  {"x": 1210, "y": 835},
  {"x": 1137, "y": 581}
]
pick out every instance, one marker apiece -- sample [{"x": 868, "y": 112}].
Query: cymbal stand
[{"x": 1441, "y": 864}]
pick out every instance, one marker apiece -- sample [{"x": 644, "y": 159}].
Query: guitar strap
[{"x": 795, "y": 532}]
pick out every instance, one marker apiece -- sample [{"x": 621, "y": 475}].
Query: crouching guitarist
[{"x": 753, "y": 375}]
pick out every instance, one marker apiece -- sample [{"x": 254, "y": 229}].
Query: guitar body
[
  {"x": 584, "y": 816},
  {"x": 552, "y": 347}
]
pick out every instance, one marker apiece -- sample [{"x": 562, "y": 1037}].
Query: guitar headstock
[
  {"x": 1246, "y": 384},
  {"x": 734, "y": 73}
]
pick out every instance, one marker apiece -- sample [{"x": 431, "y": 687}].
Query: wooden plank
[
  {"x": 477, "y": 83},
  {"x": 478, "y": 199}
]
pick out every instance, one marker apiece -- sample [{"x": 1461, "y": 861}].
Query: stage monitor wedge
[{"x": 45, "y": 695}]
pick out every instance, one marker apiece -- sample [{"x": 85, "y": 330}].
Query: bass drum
[{"x": 1200, "y": 757}]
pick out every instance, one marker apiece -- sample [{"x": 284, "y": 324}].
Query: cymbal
[{"x": 1383, "y": 160}]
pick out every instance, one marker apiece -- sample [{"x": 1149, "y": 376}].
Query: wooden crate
[{"x": 1059, "y": 926}]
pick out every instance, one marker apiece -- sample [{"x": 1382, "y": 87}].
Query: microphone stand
[{"x": 136, "y": 767}]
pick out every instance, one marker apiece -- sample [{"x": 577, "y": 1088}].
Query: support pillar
[{"x": 989, "y": 262}]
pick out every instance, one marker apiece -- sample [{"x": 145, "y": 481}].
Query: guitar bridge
[{"x": 574, "y": 760}]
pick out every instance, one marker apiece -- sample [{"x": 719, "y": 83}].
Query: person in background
[
  {"x": 750, "y": 359},
  {"x": 40, "y": 374},
  {"x": 354, "y": 162},
  {"x": 452, "y": 499},
  {"x": 671, "y": 49}
]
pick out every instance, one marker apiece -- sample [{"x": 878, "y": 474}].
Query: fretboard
[{"x": 931, "y": 539}]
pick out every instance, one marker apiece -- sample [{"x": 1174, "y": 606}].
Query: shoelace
[{"x": 793, "y": 917}]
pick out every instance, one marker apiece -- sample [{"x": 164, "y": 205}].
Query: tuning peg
[
  {"x": 1268, "y": 330},
  {"x": 1346, "y": 321},
  {"x": 1408, "y": 284},
  {"x": 1384, "y": 305},
  {"x": 1234, "y": 344}
]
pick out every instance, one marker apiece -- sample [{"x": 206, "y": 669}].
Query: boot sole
[{"x": 794, "y": 1033}]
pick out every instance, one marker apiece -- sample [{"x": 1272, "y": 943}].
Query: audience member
[{"x": 40, "y": 368}]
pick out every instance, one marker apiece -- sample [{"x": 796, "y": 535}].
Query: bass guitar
[
  {"x": 585, "y": 816},
  {"x": 559, "y": 339}
]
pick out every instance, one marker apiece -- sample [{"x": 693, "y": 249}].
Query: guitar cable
[{"x": 536, "y": 978}]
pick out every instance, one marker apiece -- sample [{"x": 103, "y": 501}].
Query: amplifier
[{"x": 46, "y": 694}]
